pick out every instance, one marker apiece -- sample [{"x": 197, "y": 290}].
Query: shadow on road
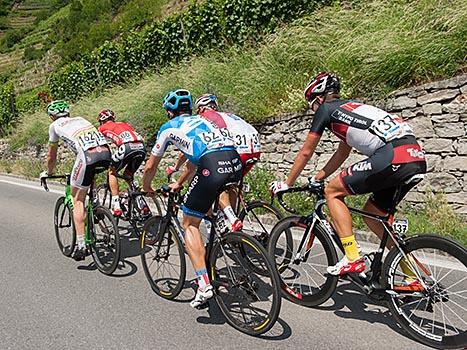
[{"x": 349, "y": 302}]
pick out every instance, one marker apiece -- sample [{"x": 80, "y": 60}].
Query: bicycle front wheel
[
  {"x": 250, "y": 301},
  {"x": 163, "y": 258},
  {"x": 258, "y": 219},
  {"x": 301, "y": 256},
  {"x": 64, "y": 227},
  {"x": 105, "y": 240},
  {"x": 428, "y": 290}
]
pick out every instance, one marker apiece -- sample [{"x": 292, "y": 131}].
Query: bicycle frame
[{"x": 318, "y": 217}]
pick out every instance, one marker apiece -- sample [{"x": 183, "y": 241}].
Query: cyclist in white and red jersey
[
  {"x": 393, "y": 156},
  {"x": 129, "y": 155},
  {"x": 92, "y": 153},
  {"x": 247, "y": 144}
]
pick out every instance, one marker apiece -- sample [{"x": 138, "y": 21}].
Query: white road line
[{"x": 39, "y": 188}]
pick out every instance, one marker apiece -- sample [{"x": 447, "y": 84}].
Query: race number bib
[
  {"x": 217, "y": 138},
  {"x": 90, "y": 138},
  {"x": 119, "y": 154},
  {"x": 126, "y": 137},
  {"x": 388, "y": 128},
  {"x": 247, "y": 143}
]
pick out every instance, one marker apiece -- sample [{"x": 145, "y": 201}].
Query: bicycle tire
[
  {"x": 438, "y": 298},
  {"x": 237, "y": 287},
  {"x": 63, "y": 218},
  {"x": 313, "y": 292},
  {"x": 105, "y": 240},
  {"x": 256, "y": 223},
  {"x": 156, "y": 248}
]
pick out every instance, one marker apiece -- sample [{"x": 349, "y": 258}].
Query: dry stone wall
[
  {"x": 437, "y": 111},
  {"x": 438, "y": 114}
]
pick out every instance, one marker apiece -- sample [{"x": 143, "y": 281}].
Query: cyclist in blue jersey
[{"x": 212, "y": 157}]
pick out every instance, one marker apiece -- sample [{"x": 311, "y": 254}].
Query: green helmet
[{"x": 58, "y": 108}]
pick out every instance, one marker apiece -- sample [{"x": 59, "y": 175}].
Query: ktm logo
[
  {"x": 416, "y": 153},
  {"x": 362, "y": 166}
]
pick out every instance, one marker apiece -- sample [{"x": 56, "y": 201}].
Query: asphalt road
[{"x": 48, "y": 301}]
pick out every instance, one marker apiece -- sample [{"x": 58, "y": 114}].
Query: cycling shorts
[
  {"x": 88, "y": 163},
  {"x": 215, "y": 169},
  {"x": 248, "y": 160},
  {"x": 129, "y": 156},
  {"x": 385, "y": 170}
]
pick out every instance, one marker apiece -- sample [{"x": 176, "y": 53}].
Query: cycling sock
[
  {"x": 408, "y": 272},
  {"x": 203, "y": 279},
  {"x": 80, "y": 241},
  {"x": 229, "y": 213},
  {"x": 350, "y": 248}
]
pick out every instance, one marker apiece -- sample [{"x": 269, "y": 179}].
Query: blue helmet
[{"x": 178, "y": 100}]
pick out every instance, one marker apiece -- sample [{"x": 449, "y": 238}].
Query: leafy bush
[
  {"x": 31, "y": 53},
  {"x": 8, "y": 114},
  {"x": 210, "y": 24},
  {"x": 14, "y": 36}
]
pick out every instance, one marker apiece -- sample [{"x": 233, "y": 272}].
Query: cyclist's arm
[
  {"x": 341, "y": 154},
  {"x": 188, "y": 173},
  {"x": 303, "y": 157},
  {"x": 51, "y": 157},
  {"x": 150, "y": 171},
  {"x": 180, "y": 161}
]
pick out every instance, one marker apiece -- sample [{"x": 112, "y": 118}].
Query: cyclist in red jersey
[
  {"x": 247, "y": 144},
  {"x": 129, "y": 155},
  {"x": 393, "y": 156}
]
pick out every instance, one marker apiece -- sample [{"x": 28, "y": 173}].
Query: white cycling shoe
[{"x": 202, "y": 296}]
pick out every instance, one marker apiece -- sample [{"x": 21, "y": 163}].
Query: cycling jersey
[
  {"x": 364, "y": 127},
  {"x": 246, "y": 137},
  {"x": 120, "y": 132},
  {"x": 77, "y": 133},
  {"x": 193, "y": 136},
  {"x": 89, "y": 145}
]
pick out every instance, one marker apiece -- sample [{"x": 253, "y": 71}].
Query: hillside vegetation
[{"x": 376, "y": 47}]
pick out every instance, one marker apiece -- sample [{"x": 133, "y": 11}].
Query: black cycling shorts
[
  {"x": 88, "y": 164},
  {"x": 386, "y": 170},
  {"x": 129, "y": 156},
  {"x": 215, "y": 169}
]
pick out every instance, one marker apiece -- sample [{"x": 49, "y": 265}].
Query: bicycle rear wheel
[
  {"x": 163, "y": 258},
  {"x": 258, "y": 219},
  {"x": 105, "y": 240},
  {"x": 250, "y": 301},
  {"x": 431, "y": 306},
  {"x": 302, "y": 270},
  {"x": 64, "y": 227}
]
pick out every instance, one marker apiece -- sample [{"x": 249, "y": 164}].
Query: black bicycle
[
  {"x": 136, "y": 208},
  {"x": 101, "y": 230},
  {"x": 426, "y": 294},
  {"x": 250, "y": 301}
]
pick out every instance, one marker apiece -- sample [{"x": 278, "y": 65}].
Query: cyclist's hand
[
  {"x": 277, "y": 186},
  {"x": 170, "y": 170},
  {"x": 43, "y": 175},
  {"x": 313, "y": 183},
  {"x": 174, "y": 186}
]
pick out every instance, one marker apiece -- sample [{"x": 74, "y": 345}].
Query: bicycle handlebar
[
  {"x": 44, "y": 180},
  {"x": 316, "y": 188}
]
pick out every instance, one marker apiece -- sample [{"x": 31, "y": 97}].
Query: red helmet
[
  {"x": 321, "y": 84},
  {"x": 105, "y": 115}
]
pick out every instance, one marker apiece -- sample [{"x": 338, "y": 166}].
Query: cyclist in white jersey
[
  {"x": 211, "y": 153},
  {"x": 247, "y": 143},
  {"x": 393, "y": 156},
  {"x": 91, "y": 151}
]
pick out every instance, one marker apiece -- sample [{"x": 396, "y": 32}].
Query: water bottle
[{"x": 124, "y": 201}]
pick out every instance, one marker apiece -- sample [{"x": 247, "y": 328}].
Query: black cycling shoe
[{"x": 79, "y": 254}]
